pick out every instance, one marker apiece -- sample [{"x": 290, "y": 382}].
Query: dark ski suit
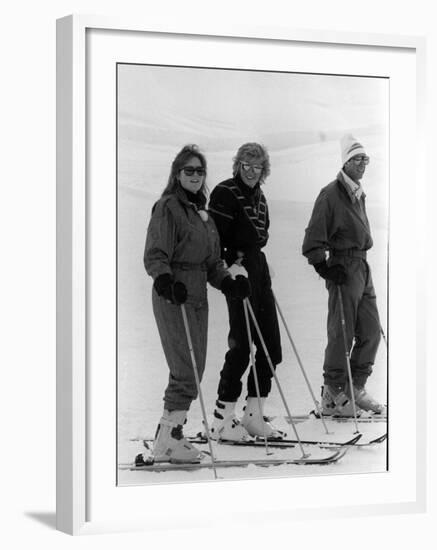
[
  {"x": 179, "y": 242},
  {"x": 340, "y": 226},
  {"x": 242, "y": 219}
]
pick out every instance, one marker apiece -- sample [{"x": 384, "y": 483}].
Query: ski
[
  {"x": 200, "y": 439},
  {"x": 375, "y": 441},
  {"x": 364, "y": 418},
  {"x": 287, "y": 443},
  {"x": 313, "y": 429},
  {"x": 150, "y": 466},
  {"x": 321, "y": 440}
]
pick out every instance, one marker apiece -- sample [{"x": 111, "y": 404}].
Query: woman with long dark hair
[{"x": 182, "y": 254}]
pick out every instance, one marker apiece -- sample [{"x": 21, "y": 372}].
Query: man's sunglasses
[{"x": 360, "y": 159}]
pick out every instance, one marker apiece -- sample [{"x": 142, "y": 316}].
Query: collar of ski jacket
[
  {"x": 249, "y": 192},
  {"x": 355, "y": 191},
  {"x": 196, "y": 199}
]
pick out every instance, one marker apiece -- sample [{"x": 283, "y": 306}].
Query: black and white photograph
[
  {"x": 218, "y": 283},
  {"x": 252, "y": 274}
]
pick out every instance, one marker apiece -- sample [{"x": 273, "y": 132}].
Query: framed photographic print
[{"x": 155, "y": 126}]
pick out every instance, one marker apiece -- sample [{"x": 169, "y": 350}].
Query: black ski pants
[{"x": 238, "y": 356}]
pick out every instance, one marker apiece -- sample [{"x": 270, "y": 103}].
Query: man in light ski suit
[
  {"x": 339, "y": 226},
  {"x": 240, "y": 211}
]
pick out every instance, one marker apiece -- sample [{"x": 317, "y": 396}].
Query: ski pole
[
  {"x": 260, "y": 336},
  {"x": 255, "y": 375},
  {"x": 316, "y": 403},
  {"x": 383, "y": 336},
  {"x": 346, "y": 349},
  {"x": 199, "y": 390}
]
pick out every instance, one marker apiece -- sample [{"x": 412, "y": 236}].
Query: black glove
[
  {"x": 173, "y": 292},
  {"x": 236, "y": 289},
  {"x": 335, "y": 273},
  {"x": 229, "y": 256}
]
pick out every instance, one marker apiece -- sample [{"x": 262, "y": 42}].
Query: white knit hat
[{"x": 350, "y": 147}]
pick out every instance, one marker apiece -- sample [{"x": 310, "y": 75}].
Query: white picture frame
[{"x": 76, "y": 395}]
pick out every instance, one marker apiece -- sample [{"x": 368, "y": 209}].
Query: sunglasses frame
[
  {"x": 361, "y": 159},
  {"x": 199, "y": 170},
  {"x": 246, "y": 166}
]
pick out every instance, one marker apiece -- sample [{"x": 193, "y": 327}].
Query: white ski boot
[
  {"x": 366, "y": 402},
  {"x": 335, "y": 402},
  {"x": 256, "y": 423},
  {"x": 226, "y": 426},
  {"x": 170, "y": 444}
]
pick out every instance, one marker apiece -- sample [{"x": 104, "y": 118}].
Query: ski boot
[
  {"x": 170, "y": 444},
  {"x": 226, "y": 425},
  {"x": 335, "y": 402},
  {"x": 366, "y": 402},
  {"x": 256, "y": 423}
]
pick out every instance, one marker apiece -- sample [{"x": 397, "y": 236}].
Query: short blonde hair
[{"x": 249, "y": 151}]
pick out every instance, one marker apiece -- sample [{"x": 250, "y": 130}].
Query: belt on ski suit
[
  {"x": 350, "y": 252},
  {"x": 190, "y": 266}
]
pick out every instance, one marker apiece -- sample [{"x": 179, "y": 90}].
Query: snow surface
[
  {"x": 360, "y": 460},
  {"x": 142, "y": 370},
  {"x": 300, "y": 118}
]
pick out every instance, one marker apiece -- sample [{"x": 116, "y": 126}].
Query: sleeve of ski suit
[
  {"x": 216, "y": 268},
  {"x": 161, "y": 244},
  {"x": 320, "y": 231},
  {"x": 222, "y": 208},
  {"x": 160, "y": 241}
]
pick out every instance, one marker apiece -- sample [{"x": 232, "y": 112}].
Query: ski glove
[
  {"x": 236, "y": 289},
  {"x": 173, "y": 292},
  {"x": 335, "y": 273},
  {"x": 230, "y": 255},
  {"x": 237, "y": 269}
]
